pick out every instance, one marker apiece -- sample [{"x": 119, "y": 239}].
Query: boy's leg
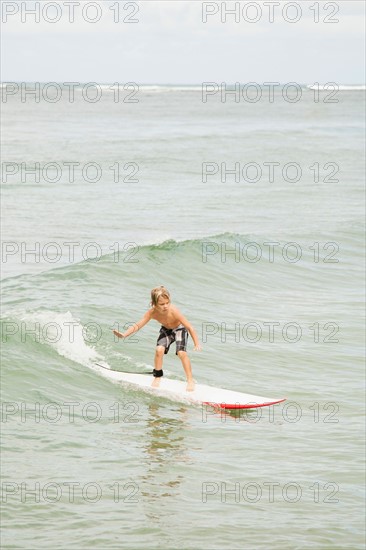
[
  {"x": 183, "y": 356},
  {"x": 158, "y": 364}
]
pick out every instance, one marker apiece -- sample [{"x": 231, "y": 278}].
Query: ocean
[{"x": 249, "y": 208}]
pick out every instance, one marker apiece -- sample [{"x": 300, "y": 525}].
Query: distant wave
[
  {"x": 158, "y": 88},
  {"x": 169, "y": 88},
  {"x": 158, "y": 253},
  {"x": 341, "y": 87},
  {"x": 164, "y": 88}
]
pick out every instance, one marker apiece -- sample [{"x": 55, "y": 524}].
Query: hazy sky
[{"x": 170, "y": 43}]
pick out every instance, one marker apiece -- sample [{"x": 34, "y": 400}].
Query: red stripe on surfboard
[{"x": 238, "y": 406}]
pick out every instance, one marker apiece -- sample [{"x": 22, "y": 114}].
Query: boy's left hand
[{"x": 197, "y": 348}]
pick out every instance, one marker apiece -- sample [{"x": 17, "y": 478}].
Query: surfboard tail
[{"x": 233, "y": 406}]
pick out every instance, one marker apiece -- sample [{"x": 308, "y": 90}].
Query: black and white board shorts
[{"x": 178, "y": 335}]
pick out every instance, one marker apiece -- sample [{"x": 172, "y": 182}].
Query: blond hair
[{"x": 158, "y": 292}]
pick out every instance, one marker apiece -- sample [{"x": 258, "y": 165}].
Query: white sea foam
[{"x": 65, "y": 334}]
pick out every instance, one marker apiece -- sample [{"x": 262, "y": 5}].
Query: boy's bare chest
[{"x": 169, "y": 320}]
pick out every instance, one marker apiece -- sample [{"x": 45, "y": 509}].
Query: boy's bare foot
[
  {"x": 156, "y": 382},
  {"x": 190, "y": 385}
]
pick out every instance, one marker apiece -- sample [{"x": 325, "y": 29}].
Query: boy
[{"x": 174, "y": 328}]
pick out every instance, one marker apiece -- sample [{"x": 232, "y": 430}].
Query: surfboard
[{"x": 176, "y": 390}]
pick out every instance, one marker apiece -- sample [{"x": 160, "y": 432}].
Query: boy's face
[{"x": 163, "y": 304}]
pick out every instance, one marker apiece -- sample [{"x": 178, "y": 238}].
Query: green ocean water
[{"x": 271, "y": 274}]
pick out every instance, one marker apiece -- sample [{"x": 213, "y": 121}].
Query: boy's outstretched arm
[
  {"x": 192, "y": 332},
  {"x": 142, "y": 322}
]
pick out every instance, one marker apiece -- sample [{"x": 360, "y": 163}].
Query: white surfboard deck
[{"x": 202, "y": 394}]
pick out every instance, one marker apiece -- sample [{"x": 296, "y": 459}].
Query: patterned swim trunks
[{"x": 178, "y": 335}]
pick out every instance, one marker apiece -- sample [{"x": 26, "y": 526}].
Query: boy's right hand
[{"x": 118, "y": 334}]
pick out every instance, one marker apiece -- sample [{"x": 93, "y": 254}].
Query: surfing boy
[{"x": 174, "y": 328}]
